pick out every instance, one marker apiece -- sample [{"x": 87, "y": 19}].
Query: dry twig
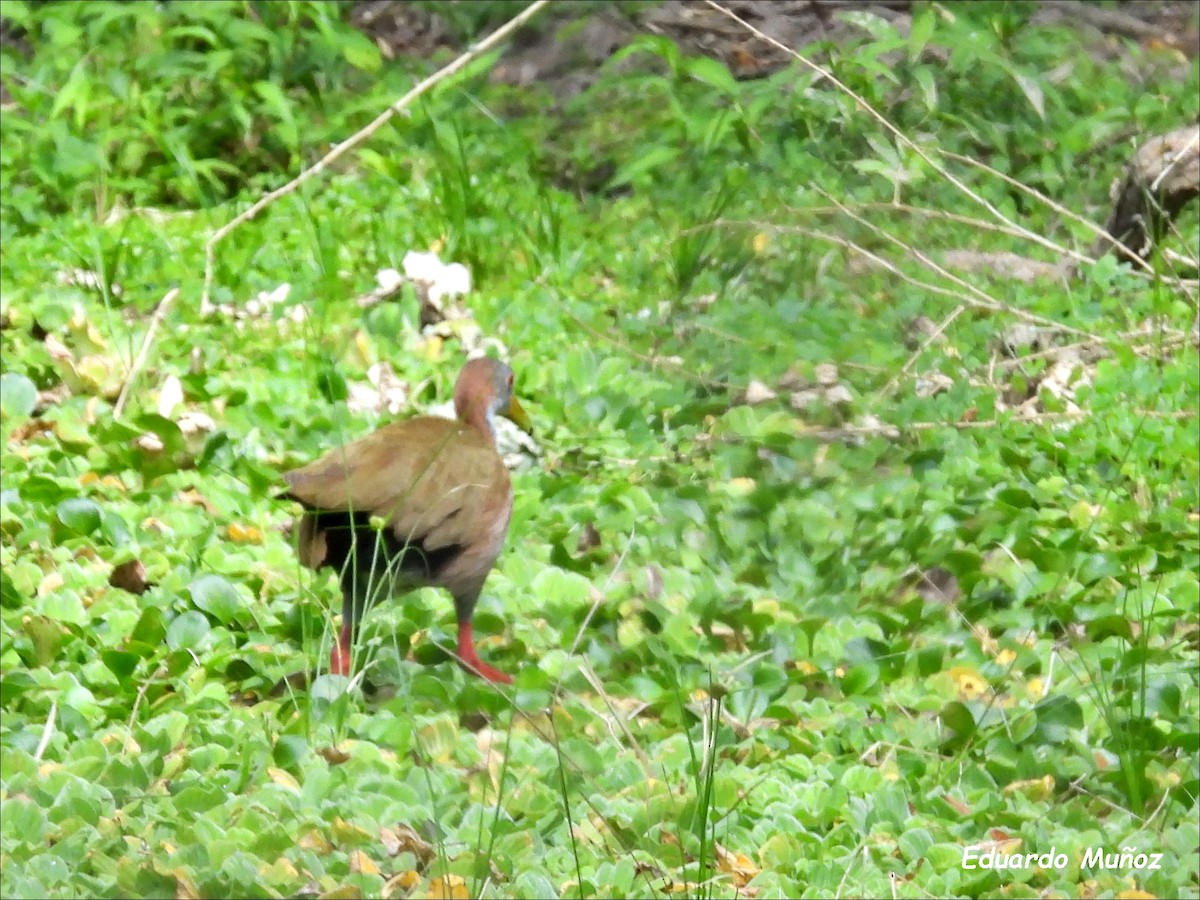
[
  {"x": 160, "y": 313},
  {"x": 355, "y": 139}
]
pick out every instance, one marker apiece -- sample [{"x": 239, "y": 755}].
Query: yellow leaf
[
  {"x": 284, "y": 779},
  {"x": 1136, "y": 894},
  {"x": 741, "y": 485},
  {"x": 431, "y": 348},
  {"x": 362, "y": 864},
  {"x": 740, "y": 866},
  {"x": 282, "y": 871},
  {"x": 1035, "y": 689},
  {"x": 243, "y": 534},
  {"x": 346, "y": 833},
  {"x": 316, "y": 842},
  {"x": 401, "y": 882},
  {"x": 184, "y": 889},
  {"x": 452, "y": 887},
  {"x": 345, "y": 892},
  {"x": 51, "y": 583},
  {"x": 1005, "y": 657},
  {"x": 760, "y": 242},
  {"x": 362, "y": 344},
  {"x": 1033, "y": 788}
]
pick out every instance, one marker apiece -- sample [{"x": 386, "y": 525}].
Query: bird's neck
[{"x": 480, "y": 417}]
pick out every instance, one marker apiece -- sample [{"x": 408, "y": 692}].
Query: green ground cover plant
[{"x": 833, "y": 563}]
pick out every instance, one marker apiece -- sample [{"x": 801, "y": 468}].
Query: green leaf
[
  {"x": 647, "y": 162},
  {"x": 18, "y": 395},
  {"x": 217, "y": 597},
  {"x": 1018, "y": 498},
  {"x": 332, "y": 385},
  {"x": 710, "y": 72},
  {"x": 79, "y": 514},
  {"x": 149, "y": 629},
  {"x": 958, "y": 718},
  {"x": 187, "y": 630},
  {"x": 360, "y": 51},
  {"x": 1057, "y": 716},
  {"x": 120, "y": 663}
]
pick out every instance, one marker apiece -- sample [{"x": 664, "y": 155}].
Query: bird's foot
[{"x": 470, "y": 661}]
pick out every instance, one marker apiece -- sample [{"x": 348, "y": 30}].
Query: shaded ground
[{"x": 563, "y": 52}]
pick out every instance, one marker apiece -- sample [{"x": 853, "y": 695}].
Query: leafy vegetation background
[{"x": 800, "y": 606}]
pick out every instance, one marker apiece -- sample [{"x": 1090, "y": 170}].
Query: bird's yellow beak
[{"x": 516, "y": 413}]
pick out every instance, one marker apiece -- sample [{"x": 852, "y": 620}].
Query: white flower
[{"x": 439, "y": 279}]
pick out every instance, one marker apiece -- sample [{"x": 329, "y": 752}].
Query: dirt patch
[{"x": 564, "y": 53}]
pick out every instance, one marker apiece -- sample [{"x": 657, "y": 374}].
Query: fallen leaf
[
  {"x": 130, "y": 576},
  {"x": 403, "y": 839},
  {"x": 589, "y": 539},
  {"x": 938, "y": 586},
  {"x": 195, "y": 498},
  {"x": 333, "y": 755},
  {"x": 957, "y": 805}
]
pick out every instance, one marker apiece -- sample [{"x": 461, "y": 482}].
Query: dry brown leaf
[
  {"x": 589, "y": 539},
  {"x": 938, "y": 585},
  {"x": 195, "y": 498},
  {"x": 957, "y": 805},
  {"x": 654, "y": 583},
  {"x": 403, "y": 839},
  {"x": 130, "y": 576},
  {"x": 332, "y": 755},
  {"x": 30, "y": 428}
]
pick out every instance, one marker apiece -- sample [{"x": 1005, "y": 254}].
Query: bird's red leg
[
  {"x": 469, "y": 659},
  {"x": 339, "y": 657}
]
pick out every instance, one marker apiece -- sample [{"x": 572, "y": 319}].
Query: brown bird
[{"x": 440, "y": 498}]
